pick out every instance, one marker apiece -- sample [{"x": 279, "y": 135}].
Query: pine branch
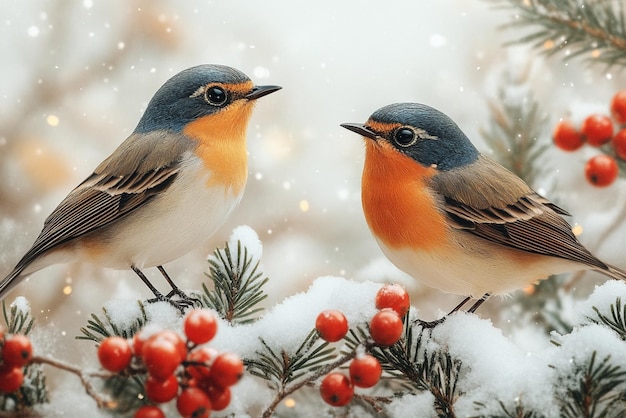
[
  {"x": 18, "y": 321},
  {"x": 237, "y": 283},
  {"x": 617, "y": 320},
  {"x": 414, "y": 367},
  {"x": 35, "y": 392},
  {"x": 542, "y": 304},
  {"x": 98, "y": 329},
  {"x": 286, "y": 372},
  {"x": 280, "y": 368},
  {"x": 517, "y": 412},
  {"x": 516, "y": 125},
  {"x": 594, "y": 390},
  {"x": 595, "y": 28},
  {"x": 373, "y": 402}
]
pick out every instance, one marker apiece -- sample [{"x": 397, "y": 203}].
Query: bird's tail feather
[
  {"x": 615, "y": 272},
  {"x": 11, "y": 280}
]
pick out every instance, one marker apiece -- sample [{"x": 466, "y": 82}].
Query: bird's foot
[
  {"x": 430, "y": 324},
  {"x": 472, "y": 309},
  {"x": 191, "y": 300},
  {"x": 182, "y": 302}
]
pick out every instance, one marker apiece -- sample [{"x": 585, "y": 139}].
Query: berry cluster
[
  {"x": 198, "y": 376},
  {"x": 597, "y": 130},
  {"x": 15, "y": 353},
  {"x": 386, "y": 327}
]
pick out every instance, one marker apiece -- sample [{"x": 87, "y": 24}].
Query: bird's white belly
[
  {"x": 467, "y": 269},
  {"x": 171, "y": 225}
]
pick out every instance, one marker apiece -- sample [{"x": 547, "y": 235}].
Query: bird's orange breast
[
  {"x": 399, "y": 207},
  {"x": 222, "y": 145}
]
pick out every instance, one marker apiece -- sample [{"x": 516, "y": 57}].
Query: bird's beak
[
  {"x": 360, "y": 129},
  {"x": 260, "y": 91}
]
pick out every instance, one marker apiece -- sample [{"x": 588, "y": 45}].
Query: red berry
[
  {"x": 161, "y": 390},
  {"x": 220, "y": 397},
  {"x": 386, "y": 327},
  {"x": 177, "y": 340},
  {"x": 601, "y": 170},
  {"x": 365, "y": 371},
  {"x": 336, "y": 389},
  {"x": 138, "y": 341},
  {"x": 331, "y": 325},
  {"x": 200, "y": 326},
  {"x": 395, "y": 297},
  {"x": 114, "y": 354},
  {"x": 149, "y": 411},
  {"x": 161, "y": 357},
  {"x": 204, "y": 355},
  {"x": 618, "y": 107},
  {"x": 566, "y": 137},
  {"x": 597, "y": 129},
  {"x": 11, "y": 378},
  {"x": 17, "y": 351},
  {"x": 193, "y": 402},
  {"x": 619, "y": 143},
  {"x": 226, "y": 370}
]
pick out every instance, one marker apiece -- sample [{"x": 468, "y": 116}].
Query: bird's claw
[
  {"x": 430, "y": 324},
  {"x": 182, "y": 302}
]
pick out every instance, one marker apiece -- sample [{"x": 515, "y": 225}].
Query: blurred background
[{"x": 77, "y": 75}]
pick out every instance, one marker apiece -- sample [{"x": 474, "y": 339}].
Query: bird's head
[
  {"x": 200, "y": 91},
  {"x": 420, "y": 132}
]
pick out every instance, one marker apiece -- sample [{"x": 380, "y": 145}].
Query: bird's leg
[
  {"x": 181, "y": 305},
  {"x": 158, "y": 295},
  {"x": 175, "y": 290},
  {"x": 478, "y": 303},
  {"x": 457, "y": 308},
  {"x": 190, "y": 301},
  {"x": 433, "y": 324}
]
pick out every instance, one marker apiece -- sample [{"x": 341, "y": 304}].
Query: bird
[
  {"x": 454, "y": 219},
  {"x": 166, "y": 188}
]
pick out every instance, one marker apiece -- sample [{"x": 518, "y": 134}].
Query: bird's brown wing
[
  {"x": 141, "y": 168},
  {"x": 487, "y": 200}
]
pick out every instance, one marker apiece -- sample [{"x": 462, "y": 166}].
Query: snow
[
  {"x": 495, "y": 368},
  {"x": 163, "y": 314},
  {"x": 602, "y": 298},
  {"x": 412, "y": 405},
  {"x": 575, "y": 353},
  {"x": 22, "y": 305},
  {"x": 249, "y": 239},
  {"x": 123, "y": 313},
  {"x": 287, "y": 324}
]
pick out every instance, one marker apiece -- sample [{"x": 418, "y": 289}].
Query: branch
[
  {"x": 101, "y": 401},
  {"x": 597, "y": 28},
  {"x": 515, "y": 127},
  {"x": 288, "y": 390}
]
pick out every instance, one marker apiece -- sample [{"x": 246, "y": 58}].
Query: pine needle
[
  {"x": 594, "y": 30},
  {"x": 237, "y": 285}
]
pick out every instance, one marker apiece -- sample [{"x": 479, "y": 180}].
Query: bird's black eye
[
  {"x": 215, "y": 96},
  {"x": 405, "y": 137}
]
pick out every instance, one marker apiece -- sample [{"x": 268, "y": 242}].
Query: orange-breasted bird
[
  {"x": 454, "y": 219},
  {"x": 165, "y": 190}
]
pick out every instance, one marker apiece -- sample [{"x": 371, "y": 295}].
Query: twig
[
  {"x": 286, "y": 391},
  {"x": 374, "y": 401},
  {"x": 84, "y": 377},
  {"x": 598, "y": 29}
]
